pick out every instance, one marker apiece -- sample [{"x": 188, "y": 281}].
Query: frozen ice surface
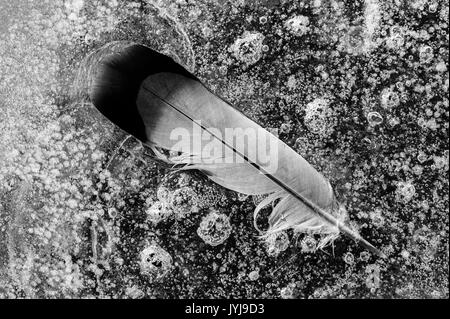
[{"x": 359, "y": 88}]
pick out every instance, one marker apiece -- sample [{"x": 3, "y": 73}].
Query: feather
[{"x": 153, "y": 98}]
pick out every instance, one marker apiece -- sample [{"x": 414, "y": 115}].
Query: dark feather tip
[{"x": 118, "y": 79}]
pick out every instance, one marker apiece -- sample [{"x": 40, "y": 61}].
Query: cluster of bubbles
[
  {"x": 405, "y": 191},
  {"x": 155, "y": 262},
  {"x": 426, "y": 54},
  {"x": 158, "y": 212},
  {"x": 253, "y": 275},
  {"x": 354, "y": 41},
  {"x": 288, "y": 292},
  {"x": 373, "y": 278},
  {"x": 319, "y": 117},
  {"x": 389, "y": 98},
  {"x": 308, "y": 244},
  {"x": 215, "y": 228},
  {"x": 276, "y": 243},
  {"x": 396, "y": 38},
  {"x": 248, "y": 49},
  {"x": 180, "y": 195},
  {"x": 349, "y": 258},
  {"x": 374, "y": 118},
  {"x": 298, "y": 25},
  {"x": 377, "y": 218}
]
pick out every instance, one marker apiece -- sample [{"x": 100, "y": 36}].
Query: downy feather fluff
[{"x": 149, "y": 95}]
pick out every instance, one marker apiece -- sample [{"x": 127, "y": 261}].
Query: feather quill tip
[
  {"x": 360, "y": 240},
  {"x": 372, "y": 248}
]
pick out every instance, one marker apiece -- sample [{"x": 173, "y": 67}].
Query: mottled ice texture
[{"x": 81, "y": 205}]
